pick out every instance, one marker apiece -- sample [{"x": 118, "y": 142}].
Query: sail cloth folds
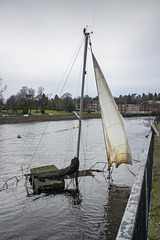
[{"x": 117, "y": 146}]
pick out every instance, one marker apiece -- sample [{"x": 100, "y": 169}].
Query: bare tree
[
  {"x": 13, "y": 103},
  {"x": 68, "y": 103},
  {"x": 39, "y": 96},
  {"x": 2, "y": 89},
  {"x": 24, "y": 91},
  {"x": 40, "y": 92},
  {"x": 25, "y": 96}
]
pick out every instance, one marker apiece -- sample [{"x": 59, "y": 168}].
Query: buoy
[{"x": 19, "y": 136}]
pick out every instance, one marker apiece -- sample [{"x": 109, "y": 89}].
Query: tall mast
[{"x": 82, "y": 90}]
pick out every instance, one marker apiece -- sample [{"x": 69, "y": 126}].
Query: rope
[
  {"x": 70, "y": 144},
  {"x": 37, "y": 146},
  {"x": 130, "y": 171},
  {"x": 72, "y": 60},
  {"x": 6, "y": 185},
  {"x": 71, "y": 67}
]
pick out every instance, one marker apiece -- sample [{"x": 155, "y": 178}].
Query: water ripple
[{"x": 93, "y": 213}]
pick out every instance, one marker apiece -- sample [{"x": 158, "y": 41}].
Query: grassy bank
[
  {"x": 154, "y": 228},
  {"x": 31, "y": 113},
  {"x": 55, "y": 117},
  {"x": 52, "y": 115}
]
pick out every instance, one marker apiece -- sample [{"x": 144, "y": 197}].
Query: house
[
  {"x": 93, "y": 106},
  {"x": 134, "y": 108},
  {"x": 122, "y": 108},
  {"x": 145, "y": 108}
]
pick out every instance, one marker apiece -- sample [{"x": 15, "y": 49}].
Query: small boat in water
[
  {"x": 117, "y": 147},
  {"x": 50, "y": 177}
]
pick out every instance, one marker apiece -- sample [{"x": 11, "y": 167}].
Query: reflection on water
[
  {"x": 114, "y": 209},
  {"x": 74, "y": 195},
  {"x": 92, "y": 213}
]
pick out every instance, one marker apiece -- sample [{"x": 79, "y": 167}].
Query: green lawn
[
  {"x": 36, "y": 112},
  {"x": 33, "y": 112}
]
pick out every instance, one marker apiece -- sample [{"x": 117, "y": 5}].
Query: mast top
[
  {"x": 87, "y": 35},
  {"x": 86, "y": 32}
]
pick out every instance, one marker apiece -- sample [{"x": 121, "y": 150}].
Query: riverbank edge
[
  {"x": 61, "y": 117},
  {"x": 42, "y": 118},
  {"x": 154, "y": 226}
]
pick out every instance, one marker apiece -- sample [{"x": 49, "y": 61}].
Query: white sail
[{"x": 117, "y": 146}]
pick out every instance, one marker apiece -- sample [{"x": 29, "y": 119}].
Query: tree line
[
  {"x": 135, "y": 98},
  {"x": 26, "y": 100}
]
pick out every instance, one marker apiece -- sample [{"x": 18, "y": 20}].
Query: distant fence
[{"x": 135, "y": 221}]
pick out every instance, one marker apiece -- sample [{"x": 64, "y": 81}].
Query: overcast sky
[{"x": 38, "y": 39}]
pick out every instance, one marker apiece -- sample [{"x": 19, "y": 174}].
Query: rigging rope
[
  {"x": 31, "y": 140},
  {"x": 37, "y": 146},
  {"x": 72, "y": 64},
  {"x": 71, "y": 67}
]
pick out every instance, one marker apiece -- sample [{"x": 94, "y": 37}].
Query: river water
[{"x": 95, "y": 211}]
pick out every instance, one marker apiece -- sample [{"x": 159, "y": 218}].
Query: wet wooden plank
[
  {"x": 47, "y": 168},
  {"x": 48, "y": 184}
]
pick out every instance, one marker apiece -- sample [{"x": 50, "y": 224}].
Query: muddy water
[{"x": 92, "y": 213}]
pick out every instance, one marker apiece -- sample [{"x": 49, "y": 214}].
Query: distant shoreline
[
  {"x": 42, "y": 118},
  {"x": 62, "y": 117}
]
